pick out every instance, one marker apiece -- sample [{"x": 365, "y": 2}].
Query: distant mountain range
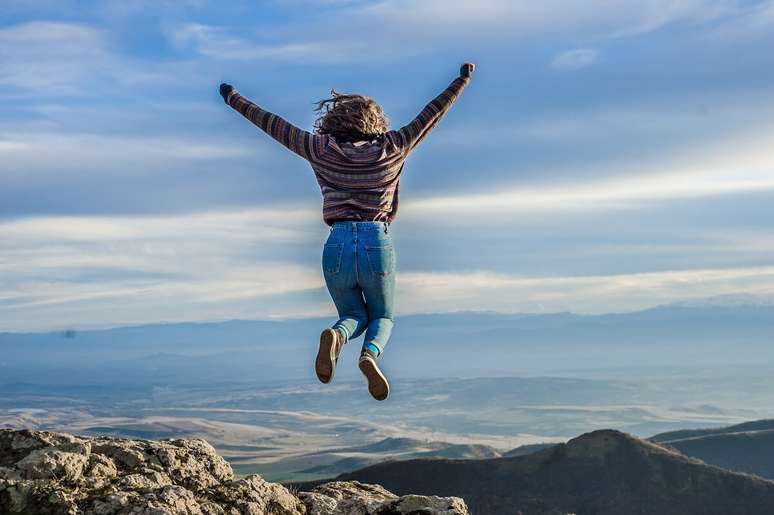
[
  {"x": 732, "y": 300},
  {"x": 747, "y": 447},
  {"x": 602, "y": 473},
  {"x": 719, "y": 331}
]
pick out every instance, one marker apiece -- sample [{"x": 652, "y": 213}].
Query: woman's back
[{"x": 357, "y": 181}]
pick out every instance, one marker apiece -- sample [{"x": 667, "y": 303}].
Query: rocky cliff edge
[{"x": 43, "y": 473}]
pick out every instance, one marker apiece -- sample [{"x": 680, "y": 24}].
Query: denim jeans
[{"x": 358, "y": 263}]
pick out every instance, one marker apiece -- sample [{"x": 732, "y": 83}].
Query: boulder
[
  {"x": 355, "y": 498},
  {"x": 47, "y": 473}
]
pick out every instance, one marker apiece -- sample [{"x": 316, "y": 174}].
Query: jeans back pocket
[
  {"x": 331, "y": 258},
  {"x": 381, "y": 258}
]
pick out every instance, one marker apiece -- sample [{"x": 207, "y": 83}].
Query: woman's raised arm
[
  {"x": 298, "y": 140},
  {"x": 413, "y": 133}
]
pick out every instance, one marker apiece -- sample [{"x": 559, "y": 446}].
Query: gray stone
[
  {"x": 355, "y": 498},
  {"x": 47, "y": 473},
  {"x": 100, "y": 466},
  {"x": 51, "y": 463}
]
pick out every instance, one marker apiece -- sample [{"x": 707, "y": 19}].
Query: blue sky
[{"x": 608, "y": 155}]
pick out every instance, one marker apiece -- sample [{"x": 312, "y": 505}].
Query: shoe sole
[
  {"x": 378, "y": 386},
  {"x": 325, "y": 364}
]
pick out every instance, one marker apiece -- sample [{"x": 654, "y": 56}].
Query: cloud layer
[
  {"x": 92, "y": 272},
  {"x": 608, "y": 155}
]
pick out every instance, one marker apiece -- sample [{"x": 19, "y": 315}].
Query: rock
[
  {"x": 194, "y": 463},
  {"x": 125, "y": 454},
  {"x": 355, "y": 498},
  {"x": 263, "y": 497},
  {"x": 429, "y": 505},
  {"x": 101, "y": 466},
  {"x": 46, "y": 473},
  {"x": 51, "y": 463},
  {"x": 149, "y": 482}
]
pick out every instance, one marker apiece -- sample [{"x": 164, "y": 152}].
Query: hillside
[
  {"x": 328, "y": 463},
  {"x": 601, "y": 473},
  {"x": 747, "y": 447},
  {"x": 523, "y": 450},
  {"x": 43, "y": 473},
  {"x": 745, "y": 427}
]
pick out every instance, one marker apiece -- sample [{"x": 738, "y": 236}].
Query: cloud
[
  {"x": 51, "y": 56},
  {"x": 488, "y": 19},
  {"x": 41, "y": 151},
  {"x": 353, "y": 32},
  {"x": 746, "y": 24},
  {"x": 59, "y": 170},
  {"x": 73, "y": 59},
  {"x": 226, "y": 44},
  {"x": 438, "y": 292},
  {"x": 742, "y": 164},
  {"x": 92, "y": 270},
  {"x": 575, "y": 59},
  {"x": 588, "y": 184},
  {"x": 263, "y": 263}
]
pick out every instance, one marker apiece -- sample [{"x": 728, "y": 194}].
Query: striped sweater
[{"x": 358, "y": 181}]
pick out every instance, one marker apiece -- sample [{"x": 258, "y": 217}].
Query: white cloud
[
  {"x": 102, "y": 271},
  {"x": 575, "y": 59},
  {"x": 221, "y": 43},
  {"x": 74, "y": 59},
  {"x": 747, "y": 23},
  {"x": 435, "y": 292},
  {"x": 51, "y": 56},
  {"x": 108, "y": 270},
  {"x": 743, "y": 164},
  {"x": 505, "y": 18},
  {"x": 229, "y": 264},
  {"x": 343, "y": 33},
  {"x": 30, "y": 152}
]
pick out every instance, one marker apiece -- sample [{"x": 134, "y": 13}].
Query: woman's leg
[
  {"x": 353, "y": 315},
  {"x": 339, "y": 270},
  {"x": 376, "y": 273}
]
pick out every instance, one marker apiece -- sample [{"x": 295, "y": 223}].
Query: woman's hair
[{"x": 350, "y": 117}]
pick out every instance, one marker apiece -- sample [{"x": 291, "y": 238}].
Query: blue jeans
[{"x": 358, "y": 263}]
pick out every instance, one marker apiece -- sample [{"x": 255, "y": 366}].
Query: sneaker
[
  {"x": 328, "y": 354},
  {"x": 378, "y": 386}
]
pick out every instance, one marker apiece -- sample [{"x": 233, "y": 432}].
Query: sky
[{"x": 608, "y": 155}]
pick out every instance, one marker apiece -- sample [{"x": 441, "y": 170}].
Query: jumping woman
[{"x": 357, "y": 162}]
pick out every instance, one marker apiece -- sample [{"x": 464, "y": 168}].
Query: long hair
[{"x": 349, "y": 117}]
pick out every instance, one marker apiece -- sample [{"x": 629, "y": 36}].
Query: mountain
[
  {"x": 602, "y": 473},
  {"x": 741, "y": 300},
  {"x": 523, "y": 450},
  {"x": 44, "y": 473},
  {"x": 331, "y": 462},
  {"x": 715, "y": 332},
  {"x": 744, "y": 427},
  {"x": 747, "y": 447}
]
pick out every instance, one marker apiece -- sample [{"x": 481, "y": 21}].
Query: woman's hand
[
  {"x": 466, "y": 70},
  {"x": 225, "y": 89}
]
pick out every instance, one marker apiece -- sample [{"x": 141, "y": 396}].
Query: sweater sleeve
[
  {"x": 413, "y": 133},
  {"x": 297, "y": 140}
]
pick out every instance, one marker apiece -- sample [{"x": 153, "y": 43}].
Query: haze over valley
[{"x": 508, "y": 381}]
